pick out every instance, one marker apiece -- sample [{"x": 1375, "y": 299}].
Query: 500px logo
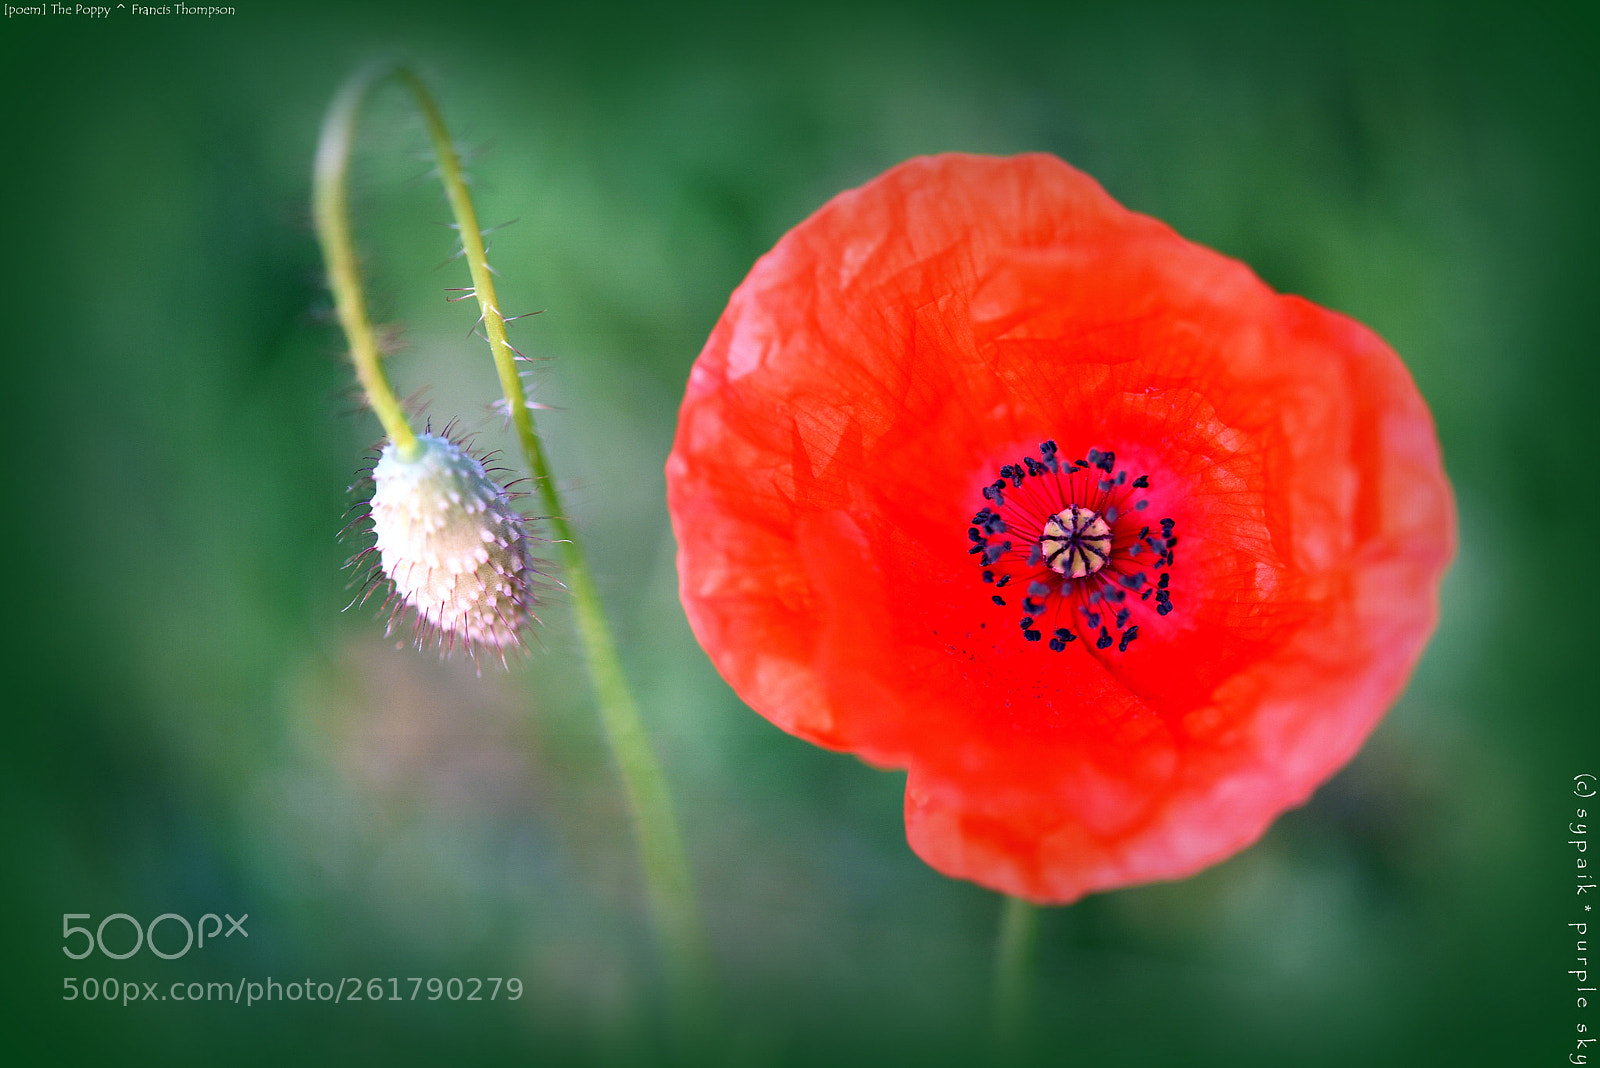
[{"x": 146, "y": 935}]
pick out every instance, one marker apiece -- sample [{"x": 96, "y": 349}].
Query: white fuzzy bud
[{"x": 451, "y": 544}]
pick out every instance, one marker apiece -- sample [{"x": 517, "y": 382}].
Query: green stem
[
  {"x": 1013, "y": 972},
  {"x": 331, "y": 209},
  {"x": 665, "y": 863}
]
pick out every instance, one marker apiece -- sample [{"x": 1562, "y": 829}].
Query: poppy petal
[{"x": 949, "y": 320}]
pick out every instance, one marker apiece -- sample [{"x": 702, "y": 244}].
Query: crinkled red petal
[{"x": 870, "y": 377}]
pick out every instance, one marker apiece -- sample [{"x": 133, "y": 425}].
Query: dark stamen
[{"x": 1069, "y": 539}]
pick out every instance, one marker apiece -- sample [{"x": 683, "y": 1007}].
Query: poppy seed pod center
[
  {"x": 1074, "y": 532},
  {"x": 1076, "y": 542}
]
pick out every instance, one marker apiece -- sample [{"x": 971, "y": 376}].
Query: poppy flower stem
[
  {"x": 1013, "y": 975},
  {"x": 664, "y": 860}
]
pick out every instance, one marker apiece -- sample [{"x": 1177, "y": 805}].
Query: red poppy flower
[{"x": 1115, "y": 550}]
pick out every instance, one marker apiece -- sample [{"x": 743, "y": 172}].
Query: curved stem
[
  {"x": 331, "y": 209},
  {"x": 665, "y": 863}
]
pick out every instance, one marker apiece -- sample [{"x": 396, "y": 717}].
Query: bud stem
[
  {"x": 331, "y": 209},
  {"x": 665, "y": 864}
]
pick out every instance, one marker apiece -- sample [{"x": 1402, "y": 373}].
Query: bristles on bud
[{"x": 451, "y": 546}]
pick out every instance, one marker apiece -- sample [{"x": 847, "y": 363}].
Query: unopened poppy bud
[{"x": 451, "y": 546}]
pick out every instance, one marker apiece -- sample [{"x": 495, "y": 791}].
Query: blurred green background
[{"x": 193, "y": 726}]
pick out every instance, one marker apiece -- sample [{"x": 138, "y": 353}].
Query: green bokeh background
[{"x": 193, "y": 726}]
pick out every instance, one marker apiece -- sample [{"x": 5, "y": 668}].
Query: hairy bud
[{"x": 450, "y": 546}]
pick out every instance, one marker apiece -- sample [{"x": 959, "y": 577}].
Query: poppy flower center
[
  {"x": 1073, "y": 535},
  {"x": 1076, "y": 542}
]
